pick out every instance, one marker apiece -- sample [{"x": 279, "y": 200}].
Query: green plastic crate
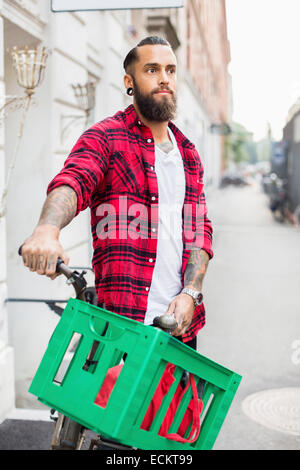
[{"x": 148, "y": 350}]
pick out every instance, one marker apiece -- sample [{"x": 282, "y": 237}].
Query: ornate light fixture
[
  {"x": 85, "y": 97},
  {"x": 29, "y": 65}
]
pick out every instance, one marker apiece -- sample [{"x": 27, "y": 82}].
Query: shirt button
[
  {"x": 147, "y": 288},
  {"x": 139, "y": 123},
  {"x": 151, "y": 260},
  {"x": 153, "y": 198},
  {"x": 149, "y": 141},
  {"x": 152, "y": 168},
  {"x": 154, "y": 230}
]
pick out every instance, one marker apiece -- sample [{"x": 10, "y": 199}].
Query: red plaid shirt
[{"x": 112, "y": 170}]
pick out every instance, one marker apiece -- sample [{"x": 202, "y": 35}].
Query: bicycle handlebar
[{"x": 165, "y": 322}]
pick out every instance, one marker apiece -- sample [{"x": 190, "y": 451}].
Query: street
[{"x": 252, "y": 303}]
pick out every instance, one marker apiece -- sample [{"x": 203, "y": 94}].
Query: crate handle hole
[
  {"x": 67, "y": 358},
  {"x": 102, "y": 330}
]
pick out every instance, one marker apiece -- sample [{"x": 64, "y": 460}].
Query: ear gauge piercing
[{"x": 130, "y": 91}]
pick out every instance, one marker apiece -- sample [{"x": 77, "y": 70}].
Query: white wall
[{"x": 7, "y": 394}]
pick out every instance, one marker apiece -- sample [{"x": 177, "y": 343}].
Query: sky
[{"x": 265, "y": 62}]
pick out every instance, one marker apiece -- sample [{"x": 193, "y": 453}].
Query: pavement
[
  {"x": 252, "y": 302},
  {"x": 251, "y": 296},
  {"x": 30, "y": 430}
]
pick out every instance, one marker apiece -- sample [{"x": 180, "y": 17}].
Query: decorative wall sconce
[
  {"x": 29, "y": 65},
  {"x": 85, "y": 97}
]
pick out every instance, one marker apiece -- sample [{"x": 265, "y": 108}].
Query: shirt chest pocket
[{"x": 126, "y": 173}]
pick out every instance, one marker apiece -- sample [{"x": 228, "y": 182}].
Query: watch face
[{"x": 199, "y": 298}]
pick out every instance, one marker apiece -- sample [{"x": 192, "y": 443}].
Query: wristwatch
[{"x": 196, "y": 295}]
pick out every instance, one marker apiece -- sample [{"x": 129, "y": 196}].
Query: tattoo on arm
[
  {"x": 60, "y": 207},
  {"x": 196, "y": 269}
]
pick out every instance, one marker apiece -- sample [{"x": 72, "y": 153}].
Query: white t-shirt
[{"x": 166, "y": 280}]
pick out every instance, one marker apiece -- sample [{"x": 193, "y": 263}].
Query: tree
[{"x": 239, "y": 145}]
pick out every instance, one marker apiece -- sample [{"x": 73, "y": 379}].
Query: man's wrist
[
  {"x": 196, "y": 295},
  {"x": 48, "y": 229}
]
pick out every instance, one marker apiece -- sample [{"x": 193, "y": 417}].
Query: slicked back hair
[{"x": 132, "y": 55}]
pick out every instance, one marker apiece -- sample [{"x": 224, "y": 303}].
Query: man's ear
[{"x": 128, "y": 81}]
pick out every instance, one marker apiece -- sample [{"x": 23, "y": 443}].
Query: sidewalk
[
  {"x": 26, "y": 430},
  {"x": 252, "y": 301},
  {"x": 30, "y": 430}
]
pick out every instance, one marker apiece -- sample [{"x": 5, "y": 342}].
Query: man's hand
[
  {"x": 41, "y": 251},
  {"x": 182, "y": 307}
]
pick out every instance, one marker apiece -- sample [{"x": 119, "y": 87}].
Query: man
[{"x": 136, "y": 165}]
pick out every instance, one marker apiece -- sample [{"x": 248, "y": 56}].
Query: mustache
[{"x": 157, "y": 90}]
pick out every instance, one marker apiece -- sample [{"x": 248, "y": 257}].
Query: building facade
[
  {"x": 85, "y": 46},
  {"x": 291, "y": 139}
]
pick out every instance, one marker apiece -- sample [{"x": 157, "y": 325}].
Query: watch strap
[{"x": 196, "y": 295}]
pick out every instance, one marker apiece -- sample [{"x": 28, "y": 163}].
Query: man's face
[{"x": 154, "y": 82}]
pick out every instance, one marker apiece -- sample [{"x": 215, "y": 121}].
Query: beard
[{"x": 152, "y": 109}]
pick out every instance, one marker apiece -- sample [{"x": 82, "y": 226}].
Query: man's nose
[{"x": 163, "y": 78}]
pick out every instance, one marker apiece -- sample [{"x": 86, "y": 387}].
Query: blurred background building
[
  {"x": 87, "y": 47},
  {"x": 291, "y": 139}
]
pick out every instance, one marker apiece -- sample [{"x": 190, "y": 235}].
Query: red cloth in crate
[
  {"x": 107, "y": 386},
  {"x": 192, "y": 414}
]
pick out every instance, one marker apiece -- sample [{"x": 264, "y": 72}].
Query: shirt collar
[{"x": 132, "y": 119}]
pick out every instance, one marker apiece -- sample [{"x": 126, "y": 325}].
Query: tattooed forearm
[
  {"x": 196, "y": 269},
  {"x": 60, "y": 207}
]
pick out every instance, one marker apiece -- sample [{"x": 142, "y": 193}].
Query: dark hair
[{"x": 132, "y": 55}]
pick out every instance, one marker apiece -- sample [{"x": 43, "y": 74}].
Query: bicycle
[
  {"x": 280, "y": 203},
  {"x": 195, "y": 386},
  {"x": 68, "y": 434}
]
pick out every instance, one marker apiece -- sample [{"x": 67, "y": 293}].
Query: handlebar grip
[
  {"x": 166, "y": 323},
  {"x": 58, "y": 263},
  {"x": 59, "y": 260}
]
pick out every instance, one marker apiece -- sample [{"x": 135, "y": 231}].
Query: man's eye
[{"x": 151, "y": 70}]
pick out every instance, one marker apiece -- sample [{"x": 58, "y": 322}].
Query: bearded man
[{"x": 143, "y": 182}]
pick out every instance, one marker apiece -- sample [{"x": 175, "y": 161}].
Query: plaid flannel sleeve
[{"x": 85, "y": 167}]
